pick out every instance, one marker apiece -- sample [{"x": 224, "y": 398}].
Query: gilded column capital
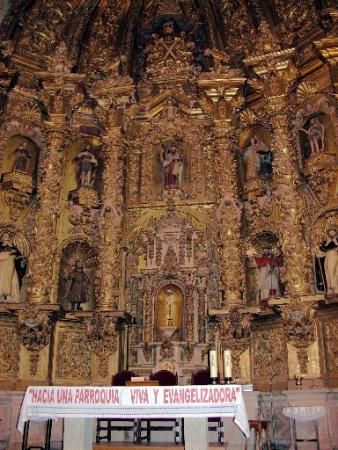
[{"x": 328, "y": 48}]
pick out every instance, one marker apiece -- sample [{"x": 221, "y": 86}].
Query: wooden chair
[
  {"x": 107, "y": 426},
  {"x": 164, "y": 378},
  {"x": 47, "y": 437},
  {"x": 214, "y": 423}
]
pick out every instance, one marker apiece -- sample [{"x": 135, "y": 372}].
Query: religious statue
[
  {"x": 315, "y": 135},
  {"x": 79, "y": 287},
  {"x": 12, "y": 270},
  {"x": 87, "y": 166},
  {"x": 172, "y": 167},
  {"x": 258, "y": 159},
  {"x": 22, "y": 156},
  {"x": 169, "y": 305},
  {"x": 267, "y": 281},
  {"x": 169, "y": 110},
  {"x": 327, "y": 255}
]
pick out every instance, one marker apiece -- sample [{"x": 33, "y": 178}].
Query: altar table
[{"x": 79, "y": 404}]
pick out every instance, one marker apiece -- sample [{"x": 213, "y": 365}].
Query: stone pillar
[
  {"x": 297, "y": 275},
  {"x": 109, "y": 266},
  {"x": 229, "y": 218},
  {"x": 41, "y": 262}
]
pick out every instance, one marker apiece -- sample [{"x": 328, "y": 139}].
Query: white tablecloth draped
[{"x": 52, "y": 402}]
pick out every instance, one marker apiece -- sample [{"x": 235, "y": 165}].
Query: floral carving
[
  {"x": 34, "y": 331},
  {"x": 269, "y": 353},
  {"x": 73, "y": 356},
  {"x": 9, "y": 351},
  {"x": 299, "y": 328},
  {"x": 102, "y": 339}
]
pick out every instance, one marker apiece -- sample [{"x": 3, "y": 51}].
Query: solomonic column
[
  {"x": 56, "y": 132},
  {"x": 229, "y": 221},
  {"x": 109, "y": 267}
]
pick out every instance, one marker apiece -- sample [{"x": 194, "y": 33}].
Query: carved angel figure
[{"x": 12, "y": 269}]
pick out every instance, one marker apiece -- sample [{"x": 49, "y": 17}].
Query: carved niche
[
  {"x": 20, "y": 174},
  {"x": 264, "y": 269}
]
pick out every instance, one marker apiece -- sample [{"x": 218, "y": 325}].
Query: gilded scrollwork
[
  {"x": 9, "y": 355},
  {"x": 299, "y": 328},
  {"x": 73, "y": 356},
  {"x": 102, "y": 338},
  {"x": 269, "y": 353}
]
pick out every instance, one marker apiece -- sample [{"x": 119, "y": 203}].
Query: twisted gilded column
[
  {"x": 297, "y": 263},
  {"x": 41, "y": 262},
  {"x": 109, "y": 264},
  {"x": 229, "y": 220}
]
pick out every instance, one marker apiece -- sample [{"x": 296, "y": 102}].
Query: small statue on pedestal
[{"x": 79, "y": 287}]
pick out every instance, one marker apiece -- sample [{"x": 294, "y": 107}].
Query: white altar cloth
[{"x": 52, "y": 402}]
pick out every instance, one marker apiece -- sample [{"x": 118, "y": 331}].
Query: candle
[
  {"x": 227, "y": 364},
  {"x": 213, "y": 363}
]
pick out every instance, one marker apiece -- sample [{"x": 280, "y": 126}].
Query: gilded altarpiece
[{"x": 168, "y": 185}]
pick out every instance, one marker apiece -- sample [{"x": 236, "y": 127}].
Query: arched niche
[
  {"x": 71, "y": 176},
  {"x": 74, "y": 194},
  {"x": 255, "y": 157},
  {"x": 21, "y": 155},
  {"x": 169, "y": 313},
  {"x": 263, "y": 269},
  {"x": 316, "y": 135},
  {"x": 76, "y": 277}
]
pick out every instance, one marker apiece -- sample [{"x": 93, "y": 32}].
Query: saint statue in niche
[
  {"x": 172, "y": 166},
  {"x": 169, "y": 301},
  {"x": 12, "y": 269},
  {"x": 22, "y": 157},
  {"x": 315, "y": 135},
  {"x": 86, "y": 168},
  {"x": 79, "y": 287},
  {"x": 267, "y": 279},
  {"x": 258, "y": 159},
  {"x": 327, "y": 263}
]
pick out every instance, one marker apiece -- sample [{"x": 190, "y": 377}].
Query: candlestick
[
  {"x": 213, "y": 364},
  {"x": 227, "y": 361}
]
